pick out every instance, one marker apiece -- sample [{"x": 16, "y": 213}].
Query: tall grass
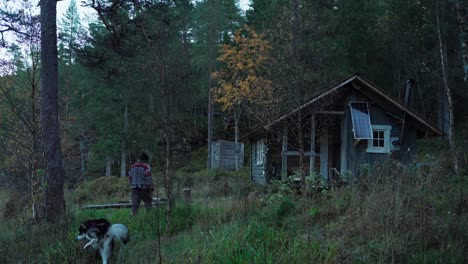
[
  {"x": 394, "y": 214},
  {"x": 397, "y": 214}
]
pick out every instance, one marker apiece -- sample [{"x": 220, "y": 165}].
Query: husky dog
[{"x": 100, "y": 235}]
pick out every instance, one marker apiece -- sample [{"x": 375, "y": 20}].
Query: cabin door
[
  {"x": 330, "y": 150},
  {"x": 334, "y": 151}
]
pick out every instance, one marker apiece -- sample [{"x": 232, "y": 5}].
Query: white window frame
[
  {"x": 386, "y": 148},
  {"x": 259, "y": 152}
]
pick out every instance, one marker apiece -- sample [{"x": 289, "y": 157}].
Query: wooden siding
[
  {"x": 215, "y": 153},
  {"x": 258, "y": 174},
  {"x": 356, "y": 151},
  {"x": 257, "y": 171}
]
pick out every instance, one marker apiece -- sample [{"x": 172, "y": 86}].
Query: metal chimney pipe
[
  {"x": 408, "y": 91},
  {"x": 406, "y": 102}
]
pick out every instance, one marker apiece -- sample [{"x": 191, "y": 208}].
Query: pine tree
[
  {"x": 71, "y": 33},
  {"x": 50, "y": 143}
]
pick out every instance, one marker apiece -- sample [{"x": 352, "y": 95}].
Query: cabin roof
[{"x": 365, "y": 84}]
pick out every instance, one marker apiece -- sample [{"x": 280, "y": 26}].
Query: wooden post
[
  {"x": 187, "y": 195},
  {"x": 324, "y": 153},
  {"x": 284, "y": 158},
  {"x": 312, "y": 145},
  {"x": 344, "y": 143}
]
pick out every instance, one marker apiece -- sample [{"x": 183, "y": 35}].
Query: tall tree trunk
[
  {"x": 237, "y": 115},
  {"x": 158, "y": 226},
  {"x": 36, "y": 197},
  {"x": 298, "y": 82},
  {"x": 167, "y": 95},
  {"x": 462, "y": 21},
  {"x": 108, "y": 166},
  {"x": 212, "y": 43},
  {"x": 210, "y": 122},
  {"x": 123, "y": 159},
  {"x": 82, "y": 157},
  {"x": 168, "y": 176},
  {"x": 443, "y": 63},
  {"x": 33, "y": 192},
  {"x": 123, "y": 150},
  {"x": 53, "y": 173},
  {"x": 35, "y": 181}
]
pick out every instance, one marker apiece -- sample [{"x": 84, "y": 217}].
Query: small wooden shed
[
  {"x": 343, "y": 128},
  {"x": 223, "y": 155}
]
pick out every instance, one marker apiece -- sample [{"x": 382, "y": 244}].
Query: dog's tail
[{"x": 120, "y": 231}]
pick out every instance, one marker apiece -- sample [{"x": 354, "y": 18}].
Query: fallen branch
[{"x": 156, "y": 202}]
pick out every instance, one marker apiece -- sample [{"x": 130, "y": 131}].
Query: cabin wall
[
  {"x": 408, "y": 147},
  {"x": 356, "y": 151}
]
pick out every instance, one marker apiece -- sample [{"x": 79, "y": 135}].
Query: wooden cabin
[
  {"x": 341, "y": 129},
  {"x": 223, "y": 155}
]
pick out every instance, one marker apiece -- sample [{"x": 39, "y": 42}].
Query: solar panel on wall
[{"x": 361, "y": 120}]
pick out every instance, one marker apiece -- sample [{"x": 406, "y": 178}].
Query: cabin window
[
  {"x": 381, "y": 139},
  {"x": 259, "y": 152}
]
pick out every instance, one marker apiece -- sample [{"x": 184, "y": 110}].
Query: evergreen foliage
[{"x": 141, "y": 76}]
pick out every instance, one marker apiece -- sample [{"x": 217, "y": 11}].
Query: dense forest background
[
  {"x": 140, "y": 73},
  {"x": 169, "y": 77}
]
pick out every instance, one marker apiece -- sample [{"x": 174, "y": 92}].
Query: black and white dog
[{"x": 100, "y": 235}]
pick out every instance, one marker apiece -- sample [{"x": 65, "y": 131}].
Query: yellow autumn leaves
[{"x": 244, "y": 79}]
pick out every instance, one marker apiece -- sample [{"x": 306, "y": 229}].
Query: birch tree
[
  {"x": 462, "y": 20},
  {"x": 446, "y": 87}
]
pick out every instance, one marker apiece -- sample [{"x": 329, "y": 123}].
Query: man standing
[{"x": 141, "y": 183}]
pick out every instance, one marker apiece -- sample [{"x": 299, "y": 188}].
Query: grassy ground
[
  {"x": 3, "y": 198},
  {"x": 395, "y": 214}
]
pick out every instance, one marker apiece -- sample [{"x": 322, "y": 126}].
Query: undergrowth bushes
[
  {"x": 111, "y": 188},
  {"x": 397, "y": 214},
  {"x": 393, "y": 214},
  {"x": 217, "y": 182},
  {"x": 15, "y": 205}
]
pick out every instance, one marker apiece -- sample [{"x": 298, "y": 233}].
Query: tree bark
[
  {"x": 462, "y": 21},
  {"x": 212, "y": 43},
  {"x": 168, "y": 102},
  {"x": 108, "y": 166},
  {"x": 53, "y": 173},
  {"x": 82, "y": 157},
  {"x": 123, "y": 150},
  {"x": 443, "y": 63},
  {"x": 123, "y": 159},
  {"x": 35, "y": 182},
  {"x": 168, "y": 177},
  {"x": 210, "y": 122},
  {"x": 236, "y": 139}
]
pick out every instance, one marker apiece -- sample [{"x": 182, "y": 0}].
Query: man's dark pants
[{"x": 139, "y": 194}]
